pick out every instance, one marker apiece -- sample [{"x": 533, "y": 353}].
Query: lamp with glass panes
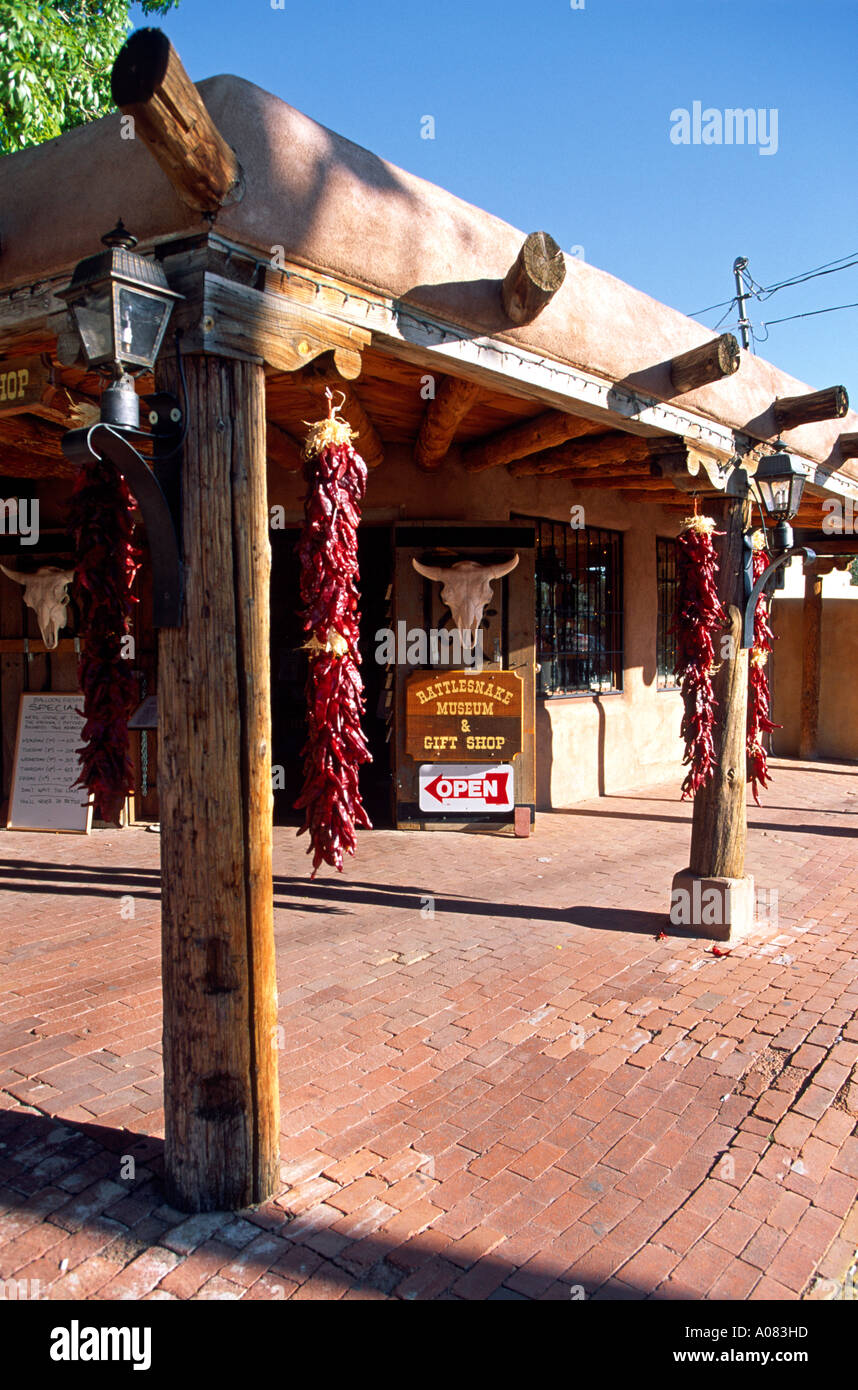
[{"x": 121, "y": 304}]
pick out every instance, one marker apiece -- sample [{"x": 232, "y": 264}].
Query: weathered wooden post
[
  {"x": 715, "y": 879},
  {"x": 220, "y": 1004},
  {"x": 811, "y": 634}
]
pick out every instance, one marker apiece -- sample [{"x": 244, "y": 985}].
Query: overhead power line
[{"x": 766, "y": 291}]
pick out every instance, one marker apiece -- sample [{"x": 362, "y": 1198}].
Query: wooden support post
[
  {"x": 719, "y": 827},
  {"x": 150, "y": 84},
  {"x": 220, "y": 1014},
  {"x": 792, "y": 411},
  {"x": 453, "y": 399},
  {"x": 718, "y": 358},
  {"x": 811, "y": 626},
  {"x": 533, "y": 279}
]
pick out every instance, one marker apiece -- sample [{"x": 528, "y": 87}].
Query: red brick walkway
[{"x": 497, "y": 1082}]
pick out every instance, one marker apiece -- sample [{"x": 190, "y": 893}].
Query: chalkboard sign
[{"x": 50, "y": 731}]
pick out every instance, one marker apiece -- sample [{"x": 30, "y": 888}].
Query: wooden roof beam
[
  {"x": 792, "y": 411},
  {"x": 530, "y": 437},
  {"x": 150, "y": 84},
  {"x": 848, "y": 446},
  {"x": 37, "y": 438},
  {"x": 282, "y": 449},
  {"x": 453, "y": 399},
  {"x": 615, "y": 480},
  {"x": 712, "y": 361},
  {"x": 614, "y": 447},
  {"x": 533, "y": 279}
]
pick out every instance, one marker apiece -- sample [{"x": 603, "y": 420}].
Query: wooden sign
[
  {"x": 463, "y": 716},
  {"x": 50, "y": 731},
  {"x": 23, "y": 383}
]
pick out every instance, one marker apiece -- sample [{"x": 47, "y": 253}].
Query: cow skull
[
  {"x": 467, "y": 588},
  {"x": 46, "y": 592}
]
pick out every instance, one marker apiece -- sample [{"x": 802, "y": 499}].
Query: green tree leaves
[{"x": 55, "y": 62}]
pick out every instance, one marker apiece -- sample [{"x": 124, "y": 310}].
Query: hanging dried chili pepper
[
  {"x": 103, "y": 526},
  {"x": 759, "y": 694},
  {"x": 335, "y": 747},
  {"x": 699, "y": 615}
]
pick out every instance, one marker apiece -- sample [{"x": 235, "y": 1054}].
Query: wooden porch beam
[
  {"x": 792, "y": 411},
  {"x": 614, "y": 447},
  {"x": 453, "y": 399},
  {"x": 533, "y": 279},
  {"x": 150, "y": 84},
  {"x": 282, "y": 449},
  {"x": 848, "y": 444},
  {"x": 37, "y": 438},
  {"x": 712, "y": 361},
  {"x": 530, "y": 437},
  {"x": 614, "y": 480},
  {"x": 19, "y": 463}
]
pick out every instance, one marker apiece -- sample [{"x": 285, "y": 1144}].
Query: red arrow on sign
[{"x": 470, "y": 788}]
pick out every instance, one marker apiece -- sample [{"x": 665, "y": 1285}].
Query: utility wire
[
  {"x": 811, "y": 313},
  {"x": 766, "y": 291}
]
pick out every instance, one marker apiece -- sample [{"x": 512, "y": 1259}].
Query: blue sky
[{"x": 559, "y": 118}]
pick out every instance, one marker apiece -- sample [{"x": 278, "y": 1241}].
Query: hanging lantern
[
  {"x": 121, "y": 304},
  {"x": 779, "y": 484}
]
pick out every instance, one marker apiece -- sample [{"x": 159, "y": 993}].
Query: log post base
[{"x": 720, "y": 909}]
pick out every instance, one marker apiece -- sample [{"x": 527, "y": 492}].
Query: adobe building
[
  {"x": 560, "y": 430},
  {"x": 517, "y": 409}
]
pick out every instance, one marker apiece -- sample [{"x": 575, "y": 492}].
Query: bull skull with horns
[
  {"x": 467, "y": 588},
  {"x": 46, "y": 592}
]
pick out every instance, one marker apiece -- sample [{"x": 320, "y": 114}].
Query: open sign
[{"x": 466, "y": 787}]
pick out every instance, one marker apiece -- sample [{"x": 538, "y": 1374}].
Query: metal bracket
[
  {"x": 757, "y": 589},
  {"x": 104, "y": 441}
]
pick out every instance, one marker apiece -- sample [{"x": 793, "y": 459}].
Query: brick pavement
[{"x": 497, "y": 1082}]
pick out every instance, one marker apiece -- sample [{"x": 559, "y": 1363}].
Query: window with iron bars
[
  {"x": 665, "y": 651},
  {"x": 579, "y": 609}
]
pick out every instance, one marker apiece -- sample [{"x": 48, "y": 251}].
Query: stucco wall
[
  {"x": 838, "y": 688},
  {"x": 586, "y": 745}
]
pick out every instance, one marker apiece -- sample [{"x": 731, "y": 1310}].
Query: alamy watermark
[
  {"x": 19, "y": 516},
  {"x": 417, "y": 646},
  {"x": 732, "y": 126}
]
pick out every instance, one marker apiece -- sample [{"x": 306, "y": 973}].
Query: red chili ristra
[
  {"x": 335, "y": 747},
  {"x": 699, "y": 614},
  {"x": 102, "y": 523},
  {"x": 759, "y": 694}
]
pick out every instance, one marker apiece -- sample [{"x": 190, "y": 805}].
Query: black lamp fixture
[
  {"x": 778, "y": 485},
  {"x": 121, "y": 304}
]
